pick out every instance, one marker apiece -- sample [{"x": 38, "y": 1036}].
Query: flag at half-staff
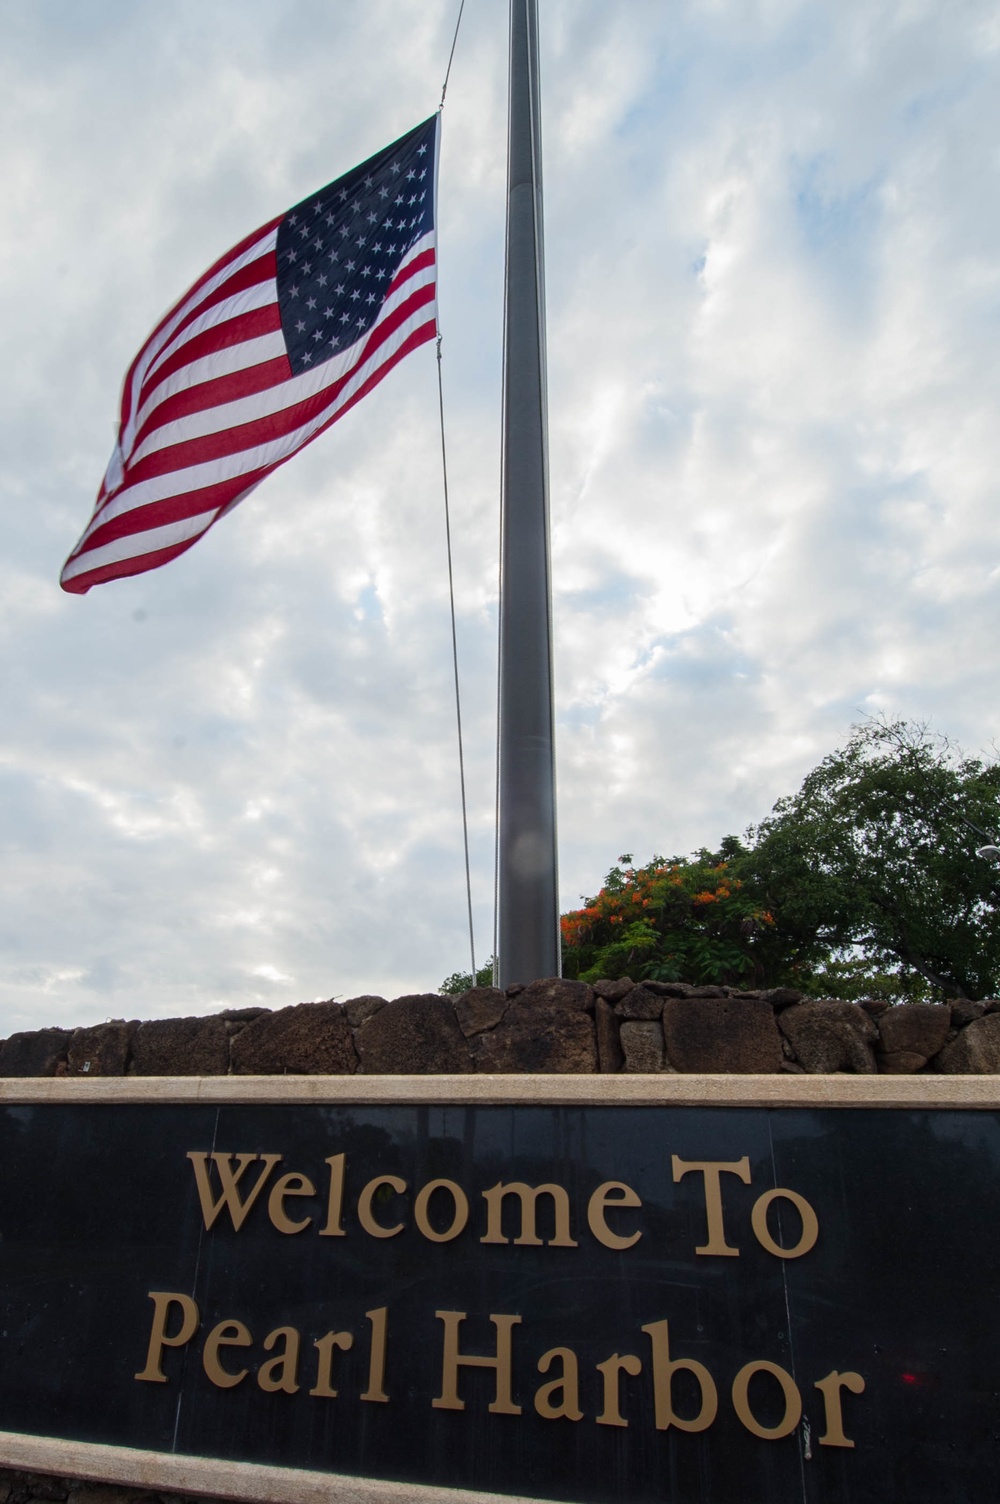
[{"x": 269, "y": 348}]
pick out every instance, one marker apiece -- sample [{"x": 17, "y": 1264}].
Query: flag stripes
[{"x": 211, "y": 403}]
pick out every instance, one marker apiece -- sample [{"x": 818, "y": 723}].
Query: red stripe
[
  {"x": 260, "y": 262},
  {"x": 426, "y": 258},
  {"x": 222, "y": 389},
  {"x": 263, "y": 272},
  {"x": 201, "y": 450},
  {"x": 173, "y": 509},
  {"x": 211, "y": 498},
  {"x": 123, "y": 568}
]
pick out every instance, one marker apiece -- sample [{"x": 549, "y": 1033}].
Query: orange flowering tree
[{"x": 691, "y": 919}]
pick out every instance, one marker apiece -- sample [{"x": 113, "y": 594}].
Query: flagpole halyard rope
[
  {"x": 447, "y": 71},
  {"x": 454, "y": 660}
]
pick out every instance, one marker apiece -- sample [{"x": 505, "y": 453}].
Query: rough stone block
[
  {"x": 102, "y": 1050},
  {"x": 781, "y": 997},
  {"x": 181, "y": 1047},
  {"x": 914, "y": 1028},
  {"x": 609, "y": 1050},
  {"x": 965, "y": 1011},
  {"x": 901, "y": 1063},
  {"x": 721, "y": 1034},
  {"x": 639, "y": 1003},
  {"x": 309, "y": 1039},
  {"x": 642, "y": 1046},
  {"x": 416, "y": 1035},
  {"x": 360, "y": 1009},
  {"x": 480, "y": 1008},
  {"x": 550, "y": 1038},
  {"x": 557, "y": 992},
  {"x": 613, "y": 991},
  {"x": 38, "y": 1052},
  {"x": 830, "y": 1036},
  {"x": 976, "y": 1050}
]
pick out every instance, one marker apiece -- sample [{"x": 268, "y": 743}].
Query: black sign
[{"x": 695, "y": 1305}]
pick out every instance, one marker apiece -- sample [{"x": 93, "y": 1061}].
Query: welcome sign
[{"x": 700, "y": 1290}]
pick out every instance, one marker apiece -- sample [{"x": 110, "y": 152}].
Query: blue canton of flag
[{"x": 278, "y": 339}]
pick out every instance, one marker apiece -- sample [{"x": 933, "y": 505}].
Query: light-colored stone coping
[
  {"x": 221, "y": 1479},
  {"x": 782, "y": 1090}
]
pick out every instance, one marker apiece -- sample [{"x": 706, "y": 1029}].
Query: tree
[
  {"x": 674, "y": 919},
  {"x": 874, "y": 859},
  {"x": 461, "y": 981}
]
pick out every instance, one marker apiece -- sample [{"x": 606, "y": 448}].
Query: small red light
[{"x": 910, "y": 1378}]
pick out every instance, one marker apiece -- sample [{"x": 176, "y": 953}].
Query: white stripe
[
  {"x": 190, "y": 300},
  {"x": 260, "y": 456},
  {"x": 137, "y": 544},
  {"x": 277, "y": 398},
  {"x": 261, "y": 295},
  {"x": 224, "y": 362}
]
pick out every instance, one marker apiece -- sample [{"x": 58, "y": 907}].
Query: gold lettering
[
  {"x": 528, "y": 1195},
  {"x": 664, "y": 1369},
  {"x": 741, "y": 1401},
  {"x": 566, "y": 1385},
  {"x": 830, "y": 1388},
  {"x": 379, "y": 1320},
  {"x": 365, "y": 1214},
  {"x": 611, "y": 1370},
  {"x": 324, "y": 1363},
  {"x": 459, "y": 1218},
  {"x": 335, "y": 1200},
  {"x": 230, "y": 1198},
  {"x": 452, "y": 1359},
  {"x": 810, "y": 1224},
  {"x": 158, "y": 1339},
  {"x": 282, "y": 1371},
  {"x": 226, "y": 1334},
  {"x": 612, "y": 1194},
  {"x": 288, "y": 1185},
  {"x": 712, "y": 1170}
]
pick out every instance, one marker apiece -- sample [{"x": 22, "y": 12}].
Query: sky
[{"x": 773, "y": 281}]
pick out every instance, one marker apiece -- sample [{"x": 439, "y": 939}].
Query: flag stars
[
  {"x": 321, "y": 280},
  {"x": 421, "y": 149},
  {"x": 306, "y": 357},
  {"x": 310, "y": 303},
  {"x": 410, "y": 175},
  {"x": 307, "y": 267},
  {"x": 350, "y": 265},
  {"x": 300, "y": 327},
  {"x": 343, "y": 195},
  {"x": 383, "y": 193}
]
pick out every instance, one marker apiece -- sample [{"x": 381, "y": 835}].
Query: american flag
[{"x": 273, "y": 344}]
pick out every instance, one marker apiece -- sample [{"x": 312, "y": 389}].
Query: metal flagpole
[{"x": 528, "y": 939}]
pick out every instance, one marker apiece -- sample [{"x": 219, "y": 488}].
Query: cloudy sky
[{"x": 773, "y": 262}]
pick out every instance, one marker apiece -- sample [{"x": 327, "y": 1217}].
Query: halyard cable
[
  {"x": 447, "y": 71},
  {"x": 454, "y": 659}
]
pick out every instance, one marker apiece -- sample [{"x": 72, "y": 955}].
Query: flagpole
[{"x": 527, "y": 880}]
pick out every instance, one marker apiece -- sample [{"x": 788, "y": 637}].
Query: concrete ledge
[
  {"x": 929, "y": 1091},
  {"x": 219, "y": 1479}
]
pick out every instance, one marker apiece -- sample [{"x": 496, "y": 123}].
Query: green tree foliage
[
  {"x": 874, "y": 859},
  {"x": 674, "y": 919},
  {"x": 461, "y": 981}
]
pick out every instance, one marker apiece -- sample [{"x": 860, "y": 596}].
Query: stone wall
[
  {"x": 40, "y": 1488},
  {"x": 552, "y": 1026}
]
